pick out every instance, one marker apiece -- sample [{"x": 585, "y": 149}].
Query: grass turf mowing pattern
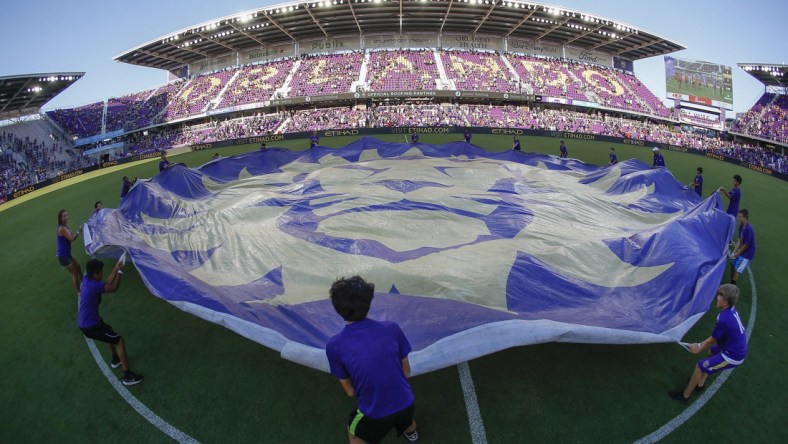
[{"x": 219, "y": 387}]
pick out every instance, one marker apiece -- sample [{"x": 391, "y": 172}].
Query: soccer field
[
  {"x": 215, "y": 386},
  {"x": 700, "y": 91}
]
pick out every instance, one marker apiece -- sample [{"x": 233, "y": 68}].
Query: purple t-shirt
[
  {"x": 370, "y": 353},
  {"x": 730, "y": 335},
  {"x": 63, "y": 244},
  {"x": 698, "y": 184},
  {"x": 747, "y": 236},
  {"x": 733, "y": 206},
  {"x": 89, "y": 300}
]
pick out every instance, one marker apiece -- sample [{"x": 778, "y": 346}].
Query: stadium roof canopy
[
  {"x": 25, "y": 94},
  {"x": 768, "y": 74},
  {"x": 296, "y": 21}
]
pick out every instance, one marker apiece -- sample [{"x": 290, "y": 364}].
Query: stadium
[{"x": 299, "y": 99}]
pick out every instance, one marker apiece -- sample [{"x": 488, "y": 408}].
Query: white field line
[
  {"x": 135, "y": 403},
  {"x": 478, "y": 435}
]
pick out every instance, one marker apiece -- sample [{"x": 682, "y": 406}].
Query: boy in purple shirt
[
  {"x": 90, "y": 322},
  {"x": 697, "y": 181},
  {"x": 613, "y": 157},
  {"x": 164, "y": 163},
  {"x": 734, "y": 196},
  {"x": 728, "y": 344},
  {"x": 370, "y": 359},
  {"x": 744, "y": 251}
]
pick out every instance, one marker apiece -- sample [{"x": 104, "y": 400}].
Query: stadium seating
[
  {"x": 194, "y": 96},
  {"x": 402, "y": 70},
  {"x": 136, "y": 111},
  {"x": 31, "y": 153},
  {"x": 326, "y": 74},
  {"x": 325, "y": 118},
  {"x": 767, "y": 119},
  {"x": 256, "y": 83},
  {"x": 386, "y": 71},
  {"x": 478, "y": 71},
  {"x": 80, "y": 122}
]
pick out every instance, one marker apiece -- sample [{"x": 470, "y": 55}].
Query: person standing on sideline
[
  {"x": 164, "y": 163},
  {"x": 127, "y": 184},
  {"x": 64, "y": 238},
  {"x": 734, "y": 195},
  {"x": 728, "y": 342},
  {"x": 314, "y": 140},
  {"x": 564, "y": 150},
  {"x": 467, "y": 135},
  {"x": 697, "y": 181},
  {"x": 90, "y": 322},
  {"x": 744, "y": 251},
  {"x": 516, "y": 144},
  {"x": 659, "y": 161},
  {"x": 414, "y": 138},
  {"x": 370, "y": 359},
  {"x": 613, "y": 157}
]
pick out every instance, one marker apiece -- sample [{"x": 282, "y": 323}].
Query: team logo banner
[{"x": 471, "y": 252}]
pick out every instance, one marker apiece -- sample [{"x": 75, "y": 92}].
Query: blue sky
[{"x": 52, "y": 36}]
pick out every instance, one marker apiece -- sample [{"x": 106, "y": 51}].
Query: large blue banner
[{"x": 471, "y": 251}]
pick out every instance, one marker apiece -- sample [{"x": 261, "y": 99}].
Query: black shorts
[
  {"x": 65, "y": 260},
  {"x": 102, "y": 332},
  {"x": 373, "y": 430}
]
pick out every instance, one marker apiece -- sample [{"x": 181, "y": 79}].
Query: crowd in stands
[
  {"x": 478, "y": 71},
  {"x": 136, "y": 111},
  {"x": 402, "y": 70},
  {"x": 384, "y": 116},
  {"x": 386, "y": 71},
  {"x": 596, "y": 122},
  {"x": 196, "y": 94},
  {"x": 25, "y": 161},
  {"x": 326, "y": 74},
  {"x": 577, "y": 81},
  {"x": 256, "y": 83},
  {"x": 82, "y": 121},
  {"x": 768, "y": 118}
]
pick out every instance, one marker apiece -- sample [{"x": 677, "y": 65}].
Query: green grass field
[
  {"x": 219, "y": 387},
  {"x": 700, "y": 91}
]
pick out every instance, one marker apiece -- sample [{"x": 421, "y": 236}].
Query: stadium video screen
[{"x": 699, "y": 82}]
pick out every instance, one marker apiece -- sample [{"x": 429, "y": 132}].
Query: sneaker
[
  {"x": 131, "y": 378},
  {"x": 699, "y": 389},
  {"x": 413, "y": 436},
  {"x": 115, "y": 362},
  {"x": 678, "y": 395}
]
